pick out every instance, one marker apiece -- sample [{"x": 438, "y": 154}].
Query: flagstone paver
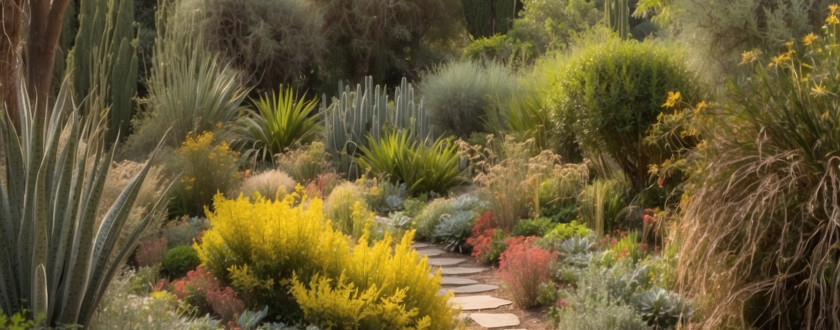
[
  {"x": 447, "y": 280},
  {"x": 488, "y": 320},
  {"x": 430, "y": 252},
  {"x": 420, "y": 245},
  {"x": 445, "y": 261},
  {"x": 462, "y": 270},
  {"x": 475, "y": 288},
  {"x": 475, "y": 303}
]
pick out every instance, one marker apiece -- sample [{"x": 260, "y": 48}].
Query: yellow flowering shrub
[
  {"x": 208, "y": 167},
  {"x": 285, "y": 254},
  {"x": 389, "y": 284}
]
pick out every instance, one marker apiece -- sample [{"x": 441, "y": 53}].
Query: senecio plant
[{"x": 56, "y": 259}]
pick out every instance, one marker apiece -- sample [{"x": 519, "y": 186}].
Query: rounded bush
[
  {"x": 609, "y": 95},
  {"x": 461, "y": 95},
  {"x": 346, "y": 208},
  {"x": 180, "y": 260}
]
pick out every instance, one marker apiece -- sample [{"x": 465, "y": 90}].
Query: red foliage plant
[
  {"x": 150, "y": 252},
  {"x": 524, "y": 266},
  {"x": 203, "y": 291},
  {"x": 487, "y": 239}
]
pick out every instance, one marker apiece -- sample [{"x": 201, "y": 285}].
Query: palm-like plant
[
  {"x": 279, "y": 121},
  {"x": 54, "y": 259}
]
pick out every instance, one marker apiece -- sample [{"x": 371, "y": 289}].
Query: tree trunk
[
  {"x": 12, "y": 22},
  {"x": 42, "y": 42},
  {"x": 38, "y": 59}
]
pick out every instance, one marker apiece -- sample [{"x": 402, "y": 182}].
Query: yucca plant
[
  {"x": 54, "y": 260},
  {"x": 279, "y": 121}
]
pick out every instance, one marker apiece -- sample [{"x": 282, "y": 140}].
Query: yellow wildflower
[
  {"x": 809, "y": 39},
  {"x": 750, "y": 56},
  {"x": 782, "y": 59},
  {"x": 833, "y": 8},
  {"x": 700, "y": 106},
  {"x": 818, "y": 90},
  {"x": 832, "y": 20},
  {"x": 672, "y": 99}
]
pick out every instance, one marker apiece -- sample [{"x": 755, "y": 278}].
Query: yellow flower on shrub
[
  {"x": 286, "y": 255},
  {"x": 673, "y": 98},
  {"x": 208, "y": 168}
]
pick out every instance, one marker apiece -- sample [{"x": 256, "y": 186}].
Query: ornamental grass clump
[{"x": 759, "y": 234}]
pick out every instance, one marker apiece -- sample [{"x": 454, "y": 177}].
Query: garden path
[{"x": 478, "y": 293}]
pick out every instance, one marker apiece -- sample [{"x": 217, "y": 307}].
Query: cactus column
[{"x": 617, "y": 15}]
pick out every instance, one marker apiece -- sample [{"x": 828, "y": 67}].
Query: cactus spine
[
  {"x": 103, "y": 62},
  {"x": 617, "y": 15}
]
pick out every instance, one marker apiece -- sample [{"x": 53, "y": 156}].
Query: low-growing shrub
[
  {"x": 454, "y": 229},
  {"x": 203, "y": 291},
  {"x": 305, "y": 163},
  {"x": 383, "y": 196},
  {"x": 592, "y": 307},
  {"x": 347, "y": 209},
  {"x": 272, "y": 184},
  {"x": 323, "y": 184},
  {"x": 208, "y": 167},
  {"x": 381, "y": 288},
  {"x": 441, "y": 208},
  {"x": 532, "y": 227},
  {"x": 272, "y": 252},
  {"x": 523, "y": 267},
  {"x": 180, "y": 260},
  {"x": 150, "y": 252},
  {"x": 564, "y": 231},
  {"x": 487, "y": 240},
  {"x": 184, "y": 230}
]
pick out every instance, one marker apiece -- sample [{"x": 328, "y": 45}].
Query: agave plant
[
  {"x": 54, "y": 259},
  {"x": 279, "y": 121}
]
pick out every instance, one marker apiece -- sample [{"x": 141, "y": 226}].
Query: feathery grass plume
[
  {"x": 760, "y": 229},
  {"x": 190, "y": 88},
  {"x": 306, "y": 163}
]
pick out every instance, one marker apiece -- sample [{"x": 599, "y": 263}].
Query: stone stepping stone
[
  {"x": 445, "y": 261},
  {"x": 475, "y": 288},
  {"x": 430, "y": 252},
  {"x": 420, "y": 245},
  {"x": 446, "y": 280},
  {"x": 461, "y": 270},
  {"x": 488, "y": 320},
  {"x": 474, "y": 303}
]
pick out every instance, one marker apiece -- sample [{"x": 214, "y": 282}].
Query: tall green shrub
[
  {"x": 53, "y": 258},
  {"x": 762, "y": 221},
  {"x": 553, "y": 24},
  {"x": 103, "y": 62},
  {"x": 610, "y": 94}
]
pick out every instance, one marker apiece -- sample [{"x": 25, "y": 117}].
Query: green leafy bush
[
  {"x": 502, "y": 49},
  {"x": 424, "y": 168},
  {"x": 564, "y": 231},
  {"x": 180, "y": 260},
  {"x": 208, "y": 168},
  {"x": 433, "y": 214},
  {"x": 280, "y": 121},
  {"x": 761, "y": 221},
  {"x": 532, "y": 227},
  {"x": 454, "y": 229},
  {"x": 460, "y": 96},
  {"x": 551, "y": 24},
  {"x": 184, "y": 230},
  {"x": 611, "y": 93}
]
